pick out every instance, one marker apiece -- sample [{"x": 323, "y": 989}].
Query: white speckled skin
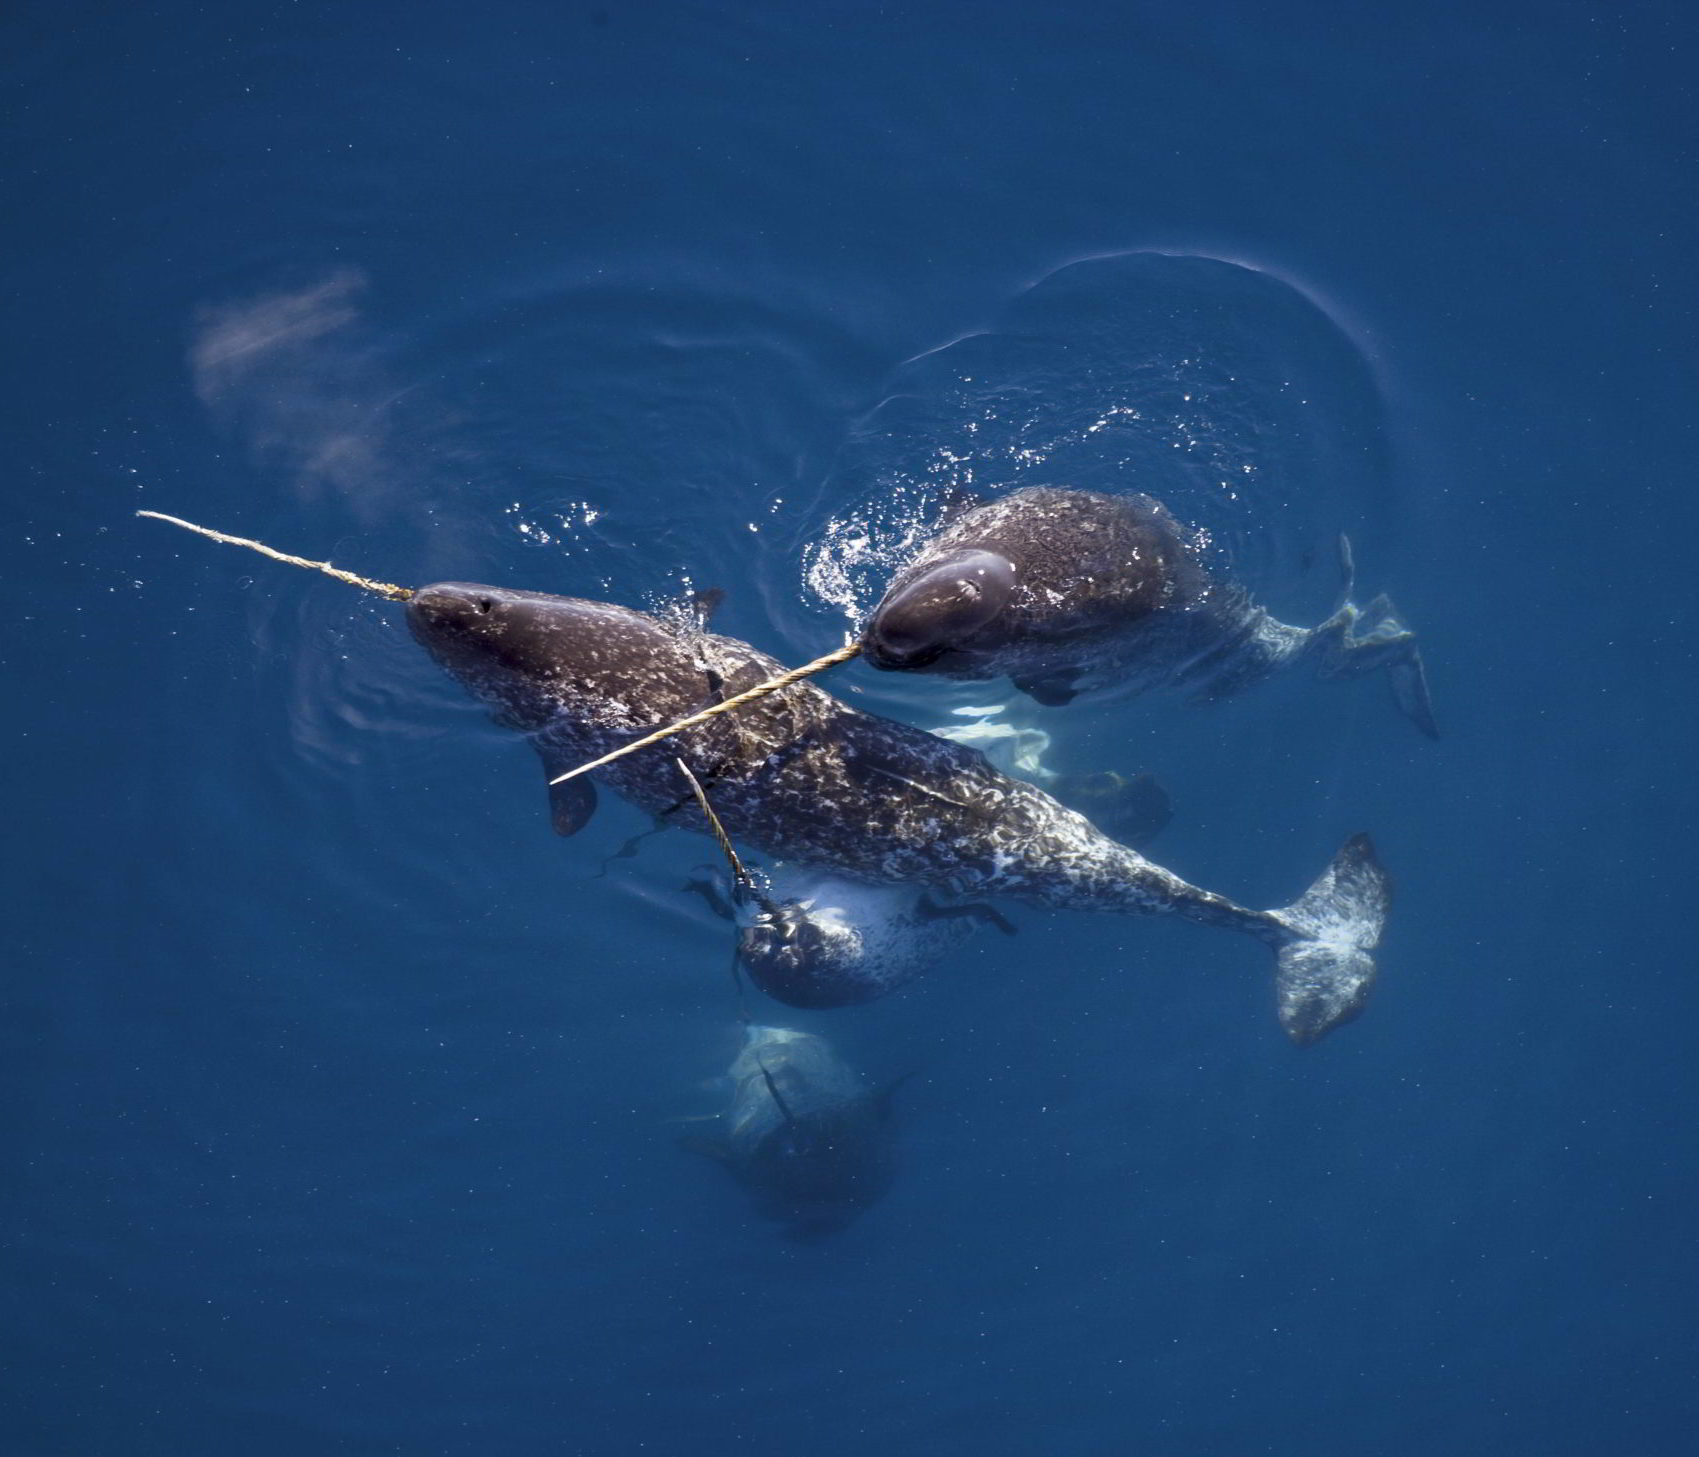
[
  {"x": 868, "y": 939},
  {"x": 798, "y": 775}
]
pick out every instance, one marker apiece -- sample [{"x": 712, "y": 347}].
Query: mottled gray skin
[
  {"x": 1066, "y": 591},
  {"x": 797, "y": 775},
  {"x": 800, "y": 776},
  {"x": 805, "y": 1136}
]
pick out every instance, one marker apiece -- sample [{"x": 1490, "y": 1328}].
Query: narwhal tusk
[
  {"x": 739, "y": 873},
  {"x": 749, "y": 695},
  {"x": 401, "y": 594},
  {"x": 383, "y": 589}
]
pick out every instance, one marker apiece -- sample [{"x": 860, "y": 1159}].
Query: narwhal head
[
  {"x": 532, "y": 656},
  {"x": 806, "y": 957},
  {"x": 935, "y": 612}
]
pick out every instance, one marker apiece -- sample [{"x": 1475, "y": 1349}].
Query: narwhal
[
  {"x": 802, "y": 1132},
  {"x": 1066, "y": 591}
]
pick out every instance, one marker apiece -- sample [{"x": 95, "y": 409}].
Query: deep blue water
[{"x": 337, "y": 1087}]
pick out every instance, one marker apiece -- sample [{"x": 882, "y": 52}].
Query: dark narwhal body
[
  {"x": 1066, "y": 591},
  {"x": 806, "y": 779},
  {"x": 803, "y": 1134}
]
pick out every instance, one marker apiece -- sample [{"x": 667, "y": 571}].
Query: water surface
[{"x": 338, "y": 1087}]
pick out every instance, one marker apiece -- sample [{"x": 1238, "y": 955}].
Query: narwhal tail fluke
[
  {"x": 1323, "y": 973},
  {"x": 1410, "y": 691},
  {"x": 1358, "y": 640}
]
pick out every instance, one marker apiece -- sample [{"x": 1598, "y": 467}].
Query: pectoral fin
[
  {"x": 704, "y": 604},
  {"x": 987, "y": 915},
  {"x": 1053, "y": 691},
  {"x": 570, "y": 804},
  {"x": 1410, "y": 691},
  {"x": 710, "y": 891}
]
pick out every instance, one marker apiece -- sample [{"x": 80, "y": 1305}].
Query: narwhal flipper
[
  {"x": 1409, "y": 681},
  {"x": 704, "y": 604},
  {"x": 1323, "y": 973},
  {"x": 570, "y": 804},
  {"x": 708, "y": 886},
  {"x": 928, "y": 909}
]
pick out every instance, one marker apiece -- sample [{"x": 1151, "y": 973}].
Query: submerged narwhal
[{"x": 802, "y": 1132}]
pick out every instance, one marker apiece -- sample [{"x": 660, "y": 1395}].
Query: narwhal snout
[
  {"x": 892, "y": 643},
  {"x": 450, "y": 607},
  {"x": 934, "y": 612}
]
